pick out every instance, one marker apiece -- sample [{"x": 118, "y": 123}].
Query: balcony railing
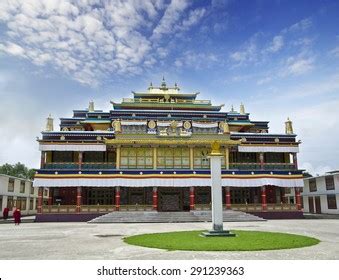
[
  {"x": 94, "y": 208},
  {"x": 86, "y": 165},
  {"x": 266, "y": 166},
  {"x": 252, "y": 207}
]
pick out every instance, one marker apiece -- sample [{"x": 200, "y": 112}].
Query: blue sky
[{"x": 280, "y": 58}]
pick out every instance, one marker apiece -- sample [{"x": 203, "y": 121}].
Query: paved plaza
[{"x": 104, "y": 241}]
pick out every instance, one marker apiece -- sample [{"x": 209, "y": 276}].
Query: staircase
[{"x": 172, "y": 217}]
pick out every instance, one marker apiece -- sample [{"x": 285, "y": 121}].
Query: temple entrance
[
  {"x": 101, "y": 196},
  {"x": 173, "y": 199}
]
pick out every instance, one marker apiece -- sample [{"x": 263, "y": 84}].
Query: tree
[
  {"x": 17, "y": 170},
  {"x": 307, "y": 175}
]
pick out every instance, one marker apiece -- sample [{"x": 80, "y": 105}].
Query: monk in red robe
[
  {"x": 5, "y": 213},
  {"x": 17, "y": 216}
]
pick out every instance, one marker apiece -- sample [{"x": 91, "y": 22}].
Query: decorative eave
[
  {"x": 96, "y": 121},
  {"x": 166, "y": 106}
]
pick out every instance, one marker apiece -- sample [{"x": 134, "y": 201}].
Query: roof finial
[
  {"x": 163, "y": 84},
  {"x": 288, "y": 126},
  {"x": 242, "y": 109},
  {"x": 49, "y": 123},
  {"x": 232, "y": 108},
  {"x": 91, "y": 106}
]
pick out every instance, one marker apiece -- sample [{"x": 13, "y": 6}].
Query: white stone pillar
[{"x": 216, "y": 193}]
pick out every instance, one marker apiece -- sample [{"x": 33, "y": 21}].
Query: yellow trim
[{"x": 168, "y": 142}]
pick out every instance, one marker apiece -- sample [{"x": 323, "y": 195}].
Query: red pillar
[
  {"x": 117, "y": 198},
  {"x": 40, "y": 199},
  {"x": 155, "y": 198},
  {"x": 228, "y": 198},
  {"x": 50, "y": 197},
  {"x": 263, "y": 198},
  {"x": 192, "y": 198},
  {"x": 298, "y": 198},
  {"x": 78, "y": 207}
]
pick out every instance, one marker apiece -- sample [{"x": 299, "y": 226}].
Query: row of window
[
  {"x": 329, "y": 182},
  {"x": 20, "y": 202},
  {"x": 22, "y": 186},
  {"x": 110, "y": 156}
]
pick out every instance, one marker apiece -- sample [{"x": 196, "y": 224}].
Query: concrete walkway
[{"x": 104, "y": 241}]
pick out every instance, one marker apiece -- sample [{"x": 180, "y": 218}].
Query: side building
[
  {"x": 321, "y": 194},
  {"x": 19, "y": 193},
  {"x": 150, "y": 153}
]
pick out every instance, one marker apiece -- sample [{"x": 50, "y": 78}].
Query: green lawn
[{"x": 244, "y": 241}]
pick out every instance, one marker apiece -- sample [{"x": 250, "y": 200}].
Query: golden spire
[
  {"x": 242, "y": 109},
  {"x": 163, "y": 84},
  {"x": 91, "y": 106},
  {"x": 49, "y": 123},
  {"x": 288, "y": 126}
]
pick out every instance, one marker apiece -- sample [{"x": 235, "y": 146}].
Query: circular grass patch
[{"x": 243, "y": 241}]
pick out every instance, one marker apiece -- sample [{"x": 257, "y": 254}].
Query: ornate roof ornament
[
  {"x": 232, "y": 108},
  {"x": 91, "y": 106},
  {"x": 49, "y": 123},
  {"x": 288, "y": 126},
  {"x": 163, "y": 83},
  {"x": 242, "y": 109}
]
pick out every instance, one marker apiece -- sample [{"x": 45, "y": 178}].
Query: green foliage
[
  {"x": 17, "y": 170},
  {"x": 306, "y": 174},
  {"x": 243, "y": 241}
]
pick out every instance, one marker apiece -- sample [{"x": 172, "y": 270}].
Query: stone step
[{"x": 171, "y": 217}]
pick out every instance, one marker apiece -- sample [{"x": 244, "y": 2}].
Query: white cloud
[
  {"x": 89, "y": 39},
  {"x": 248, "y": 53},
  {"x": 297, "y": 66},
  {"x": 196, "y": 60},
  {"x": 302, "y": 25},
  {"x": 277, "y": 44},
  {"x": 335, "y": 52},
  {"x": 12, "y": 49}
]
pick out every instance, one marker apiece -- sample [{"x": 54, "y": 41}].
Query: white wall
[
  {"x": 4, "y": 179},
  {"x": 322, "y": 193}
]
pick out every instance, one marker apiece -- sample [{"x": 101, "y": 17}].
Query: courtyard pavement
[{"x": 104, "y": 241}]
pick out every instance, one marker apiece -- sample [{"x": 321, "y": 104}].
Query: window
[
  {"x": 62, "y": 156},
  {"x": 243, "y": 157},
  {"x": 31, "y": 204},
  {"x": 22, "y": 186},
  {"x": 136, "y": 158},
  {"x": 329, "y": 180},
  {"x": 331, "y": 201},
  {"x": 10, "y": 203},
  {"x": 200, "y": 158},
  {"x": 0, "y": 202},
  {"x": 173, "y": 158},
  {"x": 313, "y": 185},
  {"x": 287, "y": 190},
  {"x": 32, "y": 189},
  {"x": 94, "y": 157},
  {"x": 11, "y": 185},
  {"x": 21, "y": 203},
  {"x": 274, "y": 157},
  {"x": 45, "y": 192}
]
